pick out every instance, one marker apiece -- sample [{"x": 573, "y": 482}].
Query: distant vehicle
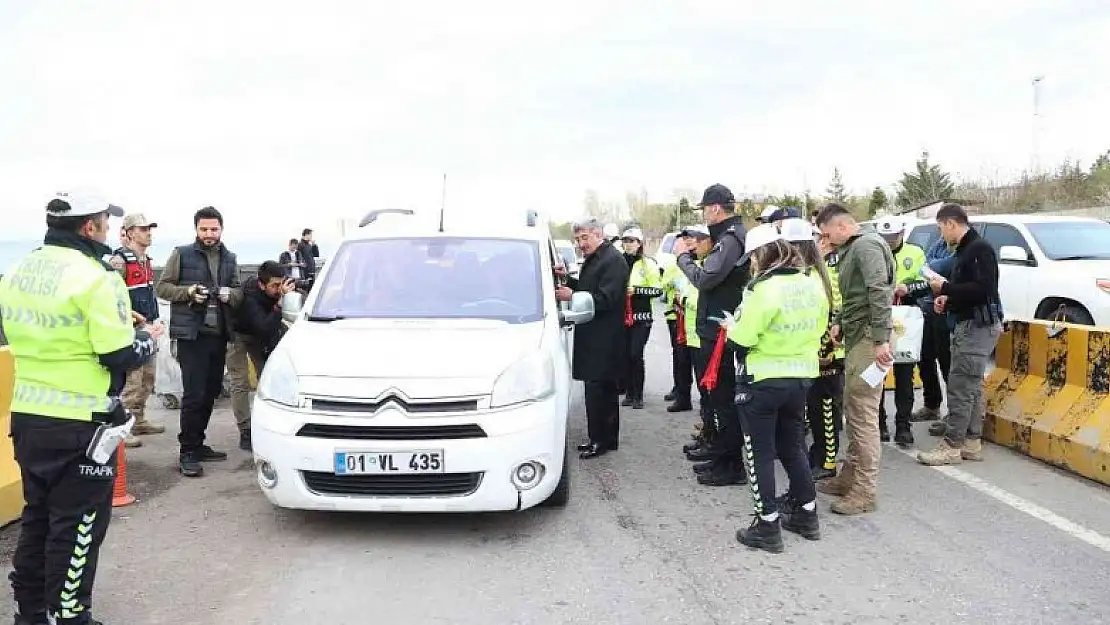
[
  {"x": 568, "y": 251},
  {"x": 427, "y": 371},
  {"x": 664, "y": 256},
  {"x": 1050, "y": 267}
]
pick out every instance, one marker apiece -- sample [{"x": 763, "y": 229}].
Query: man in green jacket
[{"x": 866, "y": 279}]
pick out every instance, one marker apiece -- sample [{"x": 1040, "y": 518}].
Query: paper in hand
[{"x": 874, "y": 375}]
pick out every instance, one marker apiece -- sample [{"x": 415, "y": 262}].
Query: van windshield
[{"x": 433, "y": 278}]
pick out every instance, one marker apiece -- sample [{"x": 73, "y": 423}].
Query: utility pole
[{"x": 1037, "y": 123}]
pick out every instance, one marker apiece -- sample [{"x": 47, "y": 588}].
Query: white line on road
[{"x": 1067, "y": 526}]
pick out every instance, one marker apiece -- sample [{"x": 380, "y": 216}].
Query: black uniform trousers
[
  {"x": 67, "y": 509},
  {"x": 603, "y": 412},
  {"x": 824, "y": 412},
  {"x": 936, "y": 353},
  {"x": 637, "y": 338},
  {"x": 682, "y": 364},
  {"x": 722, "y": 399},
  {"x": 773, "y": 416},
  {"x": 202, "y": 363},
  {"x": 903, "y": 395}
]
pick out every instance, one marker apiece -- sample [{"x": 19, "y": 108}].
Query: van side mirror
[
  {"x": 581, "y": 309},
  {"x": 1013, "y": 254},
  {"x": 291, "y": 305}
]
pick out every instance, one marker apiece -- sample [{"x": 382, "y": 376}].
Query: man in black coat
[{"x": 599, "y": 345}]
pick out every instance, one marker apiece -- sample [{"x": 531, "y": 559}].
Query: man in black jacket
[
  {"x": 720, "y": 281},
  {"x": 309, "y": 252},
  {"x": 971, "y": 296},
  {"x": 256, "y": 330},
  {"x": 599, "y": 345}
]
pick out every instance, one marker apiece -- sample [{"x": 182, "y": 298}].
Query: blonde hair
[{"x": 775, "y": 255}]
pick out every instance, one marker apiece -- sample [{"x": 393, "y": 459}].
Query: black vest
[{"x": 187, "y": 318}]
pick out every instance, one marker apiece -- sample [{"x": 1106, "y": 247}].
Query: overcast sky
[{"x": 287, "y": 114}]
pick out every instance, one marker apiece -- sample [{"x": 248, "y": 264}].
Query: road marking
[{"x": 1067, "y": 526}]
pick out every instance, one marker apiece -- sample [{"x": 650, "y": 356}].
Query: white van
[{"x": 427, "y": 371}]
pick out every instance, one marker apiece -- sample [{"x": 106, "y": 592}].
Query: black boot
[
  {"x": 190, "y": 466},
  {"x": 903, "y": 435},
  {"x": 765, "y": 535},
  {"x": 884, "y": 432},
  {"x": 722, "y": 475},
  {"x": 703, "y": 453},
  {"x": 671, "y": 395},
  {"x": 798, "y": 520},
  {"x": 638, "y": 403},
  {"x": 704, "y": 467},
  {"x": 627, "y": 401},
  {"x": 245, "y": 440},
  {"x": 821, "y": 473},
  {"x": 681, "y": 404}
]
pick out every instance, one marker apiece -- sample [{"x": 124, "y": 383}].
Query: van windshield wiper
[
  {"x": 1082, "y": 257},
  {"x": 325, "y": 318}
]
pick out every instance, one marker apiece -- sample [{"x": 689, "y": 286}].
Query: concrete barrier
[
  {"x": 11, "y": 485},
  {"x": 1049, "y": 395}
]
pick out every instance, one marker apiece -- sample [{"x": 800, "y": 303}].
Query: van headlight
[
  {"x": 279, "y": 383},
  {"x": 531, "y": 378}
]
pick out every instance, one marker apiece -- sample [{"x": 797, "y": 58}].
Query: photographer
[
  {"x": 257, "y": 328},
  {"x": 201, "y": 282}
]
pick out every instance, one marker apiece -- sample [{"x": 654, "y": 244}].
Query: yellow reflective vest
[
  {"x": 60, "y": 309},
  {"x": 782, "y": 317}
]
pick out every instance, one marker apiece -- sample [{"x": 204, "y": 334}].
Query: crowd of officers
[
  {"x": 774, "y": 327},
  {"x": 81, "y": 320}
]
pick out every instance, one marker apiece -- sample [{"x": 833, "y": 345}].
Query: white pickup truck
[{"x": 1050, "y": 267}]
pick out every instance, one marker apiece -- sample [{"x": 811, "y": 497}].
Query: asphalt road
[{"x": 640, "y": 543}]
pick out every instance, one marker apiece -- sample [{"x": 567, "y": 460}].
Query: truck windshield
[
  {"x": 1072, "y": 240},
  {"x": 433, "y": 278}
]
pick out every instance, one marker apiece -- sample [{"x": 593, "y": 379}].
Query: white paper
[{"x": 874, "y": 375}]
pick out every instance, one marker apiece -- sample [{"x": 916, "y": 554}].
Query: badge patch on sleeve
[
  {"x": 124, "y": 314},
  {"x": 907, "y": 263}
]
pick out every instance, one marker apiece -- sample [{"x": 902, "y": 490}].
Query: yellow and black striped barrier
[
  {"x": 1049, "y": 395},
  {"x": 11, "y": 485}
]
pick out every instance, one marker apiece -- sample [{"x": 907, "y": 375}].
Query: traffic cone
[{"x": 120, "y": 496}]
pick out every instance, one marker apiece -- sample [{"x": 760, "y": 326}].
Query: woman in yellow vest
[
  {"x": 643, "y": 286},
  {"x": 777, "y": 336}
]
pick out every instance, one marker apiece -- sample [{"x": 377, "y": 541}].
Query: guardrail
[{"x": 1049, "y": 395}]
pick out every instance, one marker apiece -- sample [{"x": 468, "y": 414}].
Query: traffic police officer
[
  {"x": 908, "y": 261},
  {"x": 824, "y": 403},
  {"x": 643, "y": 285},
  {"x": 776, "y": 335},
  {"x": 67, "y": 317},
  {"x": 673, "y": 283}
]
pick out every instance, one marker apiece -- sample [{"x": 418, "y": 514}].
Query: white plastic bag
[
  {"x": 167, "y": 373},
  {"x": 909, "y": 327}
]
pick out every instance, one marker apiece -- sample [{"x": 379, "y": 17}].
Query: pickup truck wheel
[{"x": 561, "y": 495}]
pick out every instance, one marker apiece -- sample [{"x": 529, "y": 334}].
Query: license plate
[{"x": 388, "y": 462}]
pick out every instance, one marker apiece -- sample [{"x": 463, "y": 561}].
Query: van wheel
[{"x": 561, "y": 495}]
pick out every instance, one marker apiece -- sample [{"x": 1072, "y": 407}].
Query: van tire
[{"x": 561, "y": 495}]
